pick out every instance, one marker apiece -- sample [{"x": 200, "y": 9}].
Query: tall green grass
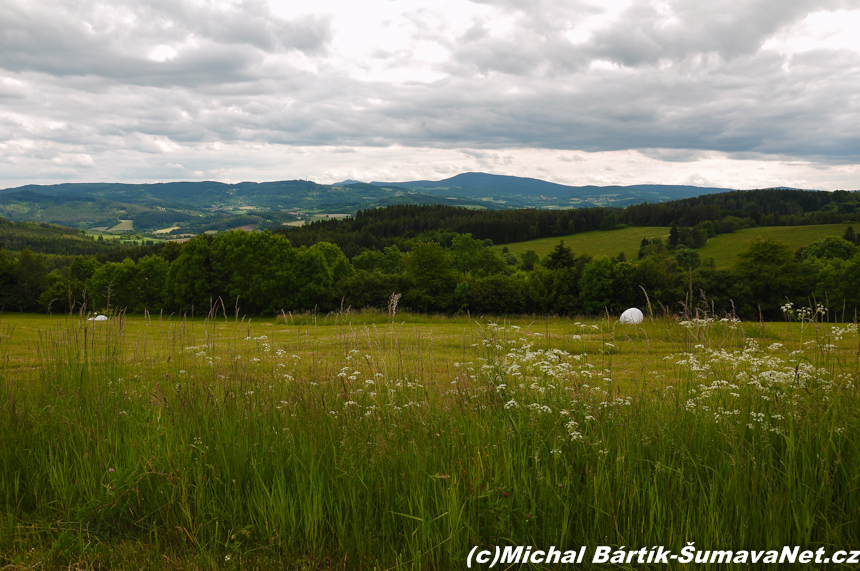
[{"x": 246, "y": 449}]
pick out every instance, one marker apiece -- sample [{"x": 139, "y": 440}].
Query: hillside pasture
[
  {"x": 597, "y": 243},
  {"x": 724, "y": 247}
]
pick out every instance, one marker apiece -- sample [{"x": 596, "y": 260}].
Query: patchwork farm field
[
  {"x": 123, "y": 226},
  {"x": 359, "y": 441}
]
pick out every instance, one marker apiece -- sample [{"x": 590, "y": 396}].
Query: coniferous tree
[
  {"x": 30, "y": 281},
  {"x": 674, "y": 235},
  {"x": 560, "y": 257},
  {"x": 7, "y": 277}
]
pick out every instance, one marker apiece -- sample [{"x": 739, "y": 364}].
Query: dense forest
[{"x": 442, "y": 259}]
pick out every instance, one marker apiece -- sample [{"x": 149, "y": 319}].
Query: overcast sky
[{"x": 732, "y": 93}]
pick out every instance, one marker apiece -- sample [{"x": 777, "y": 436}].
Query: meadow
[
  {"x": 597, "y": 243},
  {"x": 723, "y": 247},
  {"x": 375, "y": 441}
]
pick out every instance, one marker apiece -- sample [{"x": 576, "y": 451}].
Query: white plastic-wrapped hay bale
[
  {"x": 98, "y": 318},
  {"x": 631, "y": 315}
]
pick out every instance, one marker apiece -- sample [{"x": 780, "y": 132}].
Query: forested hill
[
  {"x": 195, "y": 207},
  {"x": 50, "y": 239},
  {"x": 187, "y": 204},
  {"x": 441, "y": 258},
  {"x": 523, "y": 190},
  {"x": 777, "y": 206},
  {"x": 402, "y": 225}
]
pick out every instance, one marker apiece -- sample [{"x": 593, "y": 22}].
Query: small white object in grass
[
  {"x": 631, "y": 315},
  {"x": 98, "y": 318}
]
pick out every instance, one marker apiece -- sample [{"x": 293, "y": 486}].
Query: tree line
[{"x": 265, "y": 273}]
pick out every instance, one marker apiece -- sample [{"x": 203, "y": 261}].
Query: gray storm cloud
[
  {"x": 114, "y": 40},
  {"x": 674, "y": 79}
]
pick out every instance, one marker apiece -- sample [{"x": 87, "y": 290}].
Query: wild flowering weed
[
  {"x": 372, "y": 449},
  {"x": 760, "y": 388}
]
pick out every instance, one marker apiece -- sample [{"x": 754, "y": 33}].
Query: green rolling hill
[
  {"x": 598, "y": 243},
  {"x": 723, "y": 247}
]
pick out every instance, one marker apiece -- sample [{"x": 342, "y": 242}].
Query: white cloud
[
  {"x": 836, "y": 31},
  {"x": 163, "y": 53},
  {"x": 74, "y": 159}
]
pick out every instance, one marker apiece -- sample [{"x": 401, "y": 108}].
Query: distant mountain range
[
  {"x": 200, "y": 206},
  {"x": 526, "y": 191}
]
